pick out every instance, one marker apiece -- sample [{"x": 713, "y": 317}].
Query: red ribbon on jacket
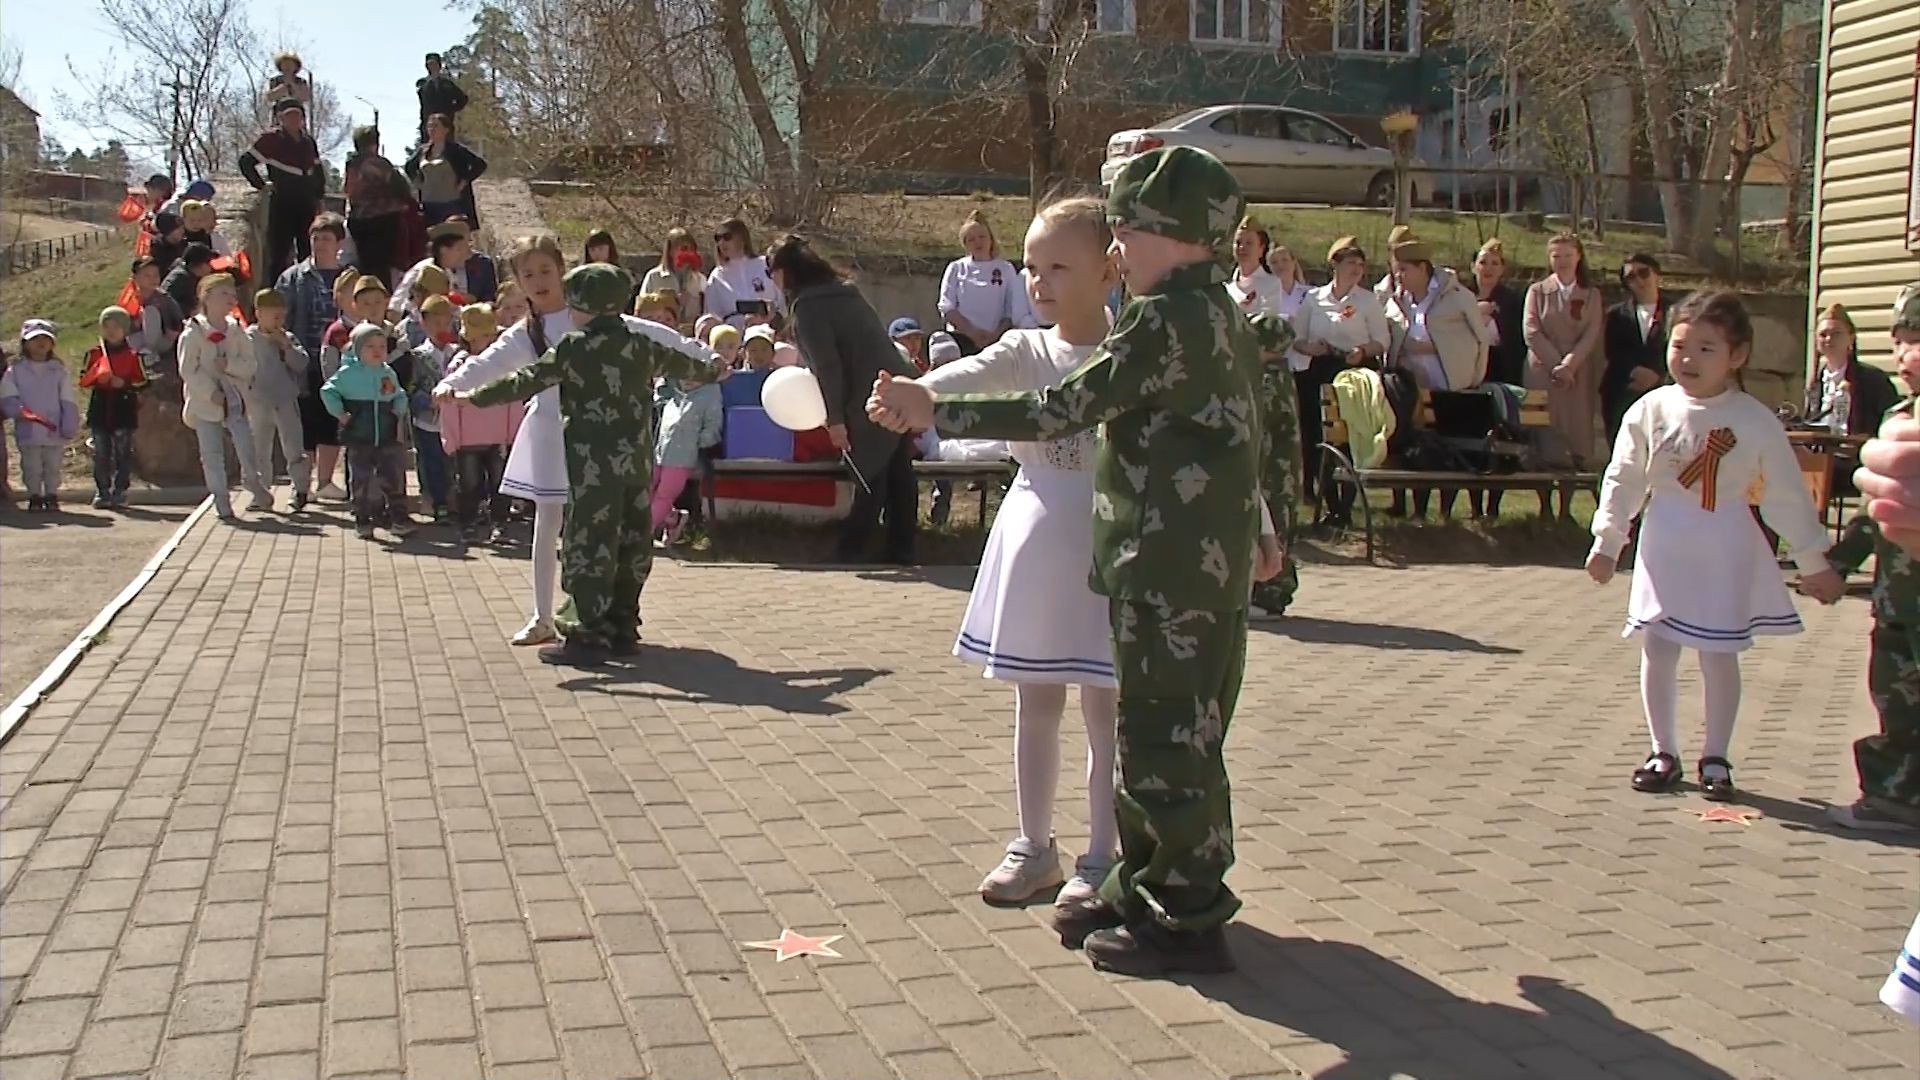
[{"x": 1704, "y": 469}]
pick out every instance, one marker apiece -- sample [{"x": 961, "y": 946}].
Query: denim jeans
[
  {"x": 112, "y": 461},
  {"x": 430, "y": 464},
  {"x": 478, "y": 470},
  {"x": 212, "y": 437},
  {"x": 379, "y": 483},
  {"x": 250, "y": 478}
]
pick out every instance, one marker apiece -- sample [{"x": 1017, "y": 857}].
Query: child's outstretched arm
[
  {"x": 1127, "y": 369},
  {"x": 678, "y": 356},
  {"x": 1788, "y": 510},
  {"x": 1856, "y": 542},
  {"x": 511, "y": 352},
  {"x": 522, "y": 384},
  {"x": 1624, "y": 490}
]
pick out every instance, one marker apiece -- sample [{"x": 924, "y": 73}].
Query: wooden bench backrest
[{"x": 1333, "y": 429}]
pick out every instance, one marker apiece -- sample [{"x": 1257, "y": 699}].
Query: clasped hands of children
[
  {"x": 903, "y": 405},
  {"x": 1826, "y": 586}
]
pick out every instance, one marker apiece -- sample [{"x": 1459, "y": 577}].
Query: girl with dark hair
[
  {"x": 600, "y": 248},
  {"x": 843, "y": 340},
  {"x": 1688, "y": 455},
  {"x": 445, "y": 171}
]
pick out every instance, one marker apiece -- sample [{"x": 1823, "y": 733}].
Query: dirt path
[
  {"x": 57, "y": 572},
  {"x": 506, "y": 210}
]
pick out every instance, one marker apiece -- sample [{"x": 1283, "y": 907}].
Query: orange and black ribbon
[{"x": 1704, "y": 469}]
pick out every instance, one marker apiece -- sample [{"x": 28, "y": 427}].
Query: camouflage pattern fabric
[
  {"x": 1179, "y": 192},
  {"x": 1280, "y": 456},
  {"x": 1906, "y": 308},
  {"x": 1174, "y": 512},
  {"x": 1175, "y": 521},
  {"x": 605, "y": 373},
  {"x": 1179, "y": 673}
]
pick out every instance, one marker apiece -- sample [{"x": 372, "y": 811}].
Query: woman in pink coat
[{"x": 1564, "y": 355}]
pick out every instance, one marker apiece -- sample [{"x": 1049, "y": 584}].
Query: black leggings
[
  {"x": 897, "y": 494},
  {"x": 287, "y": 223}
]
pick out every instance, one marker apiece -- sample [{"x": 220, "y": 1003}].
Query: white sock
[
  {"x": 1720, "y": 671},
  {"x": 547, "y": 518},
  {"x": 1659, "y": 676},
  {"x": 1100, "y": 708},
  {"x": 1037, "y": 708}
]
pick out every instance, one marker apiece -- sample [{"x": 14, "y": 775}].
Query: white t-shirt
[
  {"x": 740, "y": 279},
  {"x": 985, "y": 292},
  {"x": 1645, "y": 313}
]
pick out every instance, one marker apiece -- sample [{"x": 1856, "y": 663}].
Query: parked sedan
[{"x": 1277, "y": 154}]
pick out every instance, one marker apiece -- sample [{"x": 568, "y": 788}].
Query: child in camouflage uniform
[
  {"x": 605, "y": 371},
  {"x": 1280, "y": 458},
  {"x": 1176, "y": 515},
  {"x": 1889, "y": 763}
]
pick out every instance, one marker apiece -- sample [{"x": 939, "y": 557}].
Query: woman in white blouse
[
  {"x": 981, "y": 295},
  {"x": 1338, "y": 325}
]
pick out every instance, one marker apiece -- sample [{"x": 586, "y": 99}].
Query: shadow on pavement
[
  {"x": 1376, "y": 636},
  {"x": 1394, "y": 1024},
  {"x": 703, "y": 675},
  {"x": 1810, "y": 815},
  {"x": 14, "y": 517}
]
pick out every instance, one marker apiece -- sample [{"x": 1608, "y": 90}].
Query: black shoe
[
  {"x": 1075, "y": 921},
  {"x": 574, "y": 653},
  {"x": 1717, "y": 788},
  {"x": 401, "y": 526},
  {"x": 1147, "y": 948},
  {"x": 299, "y": 502},
  {"x": 363, "y": 530},
  {"x": 1649, "y": 779}
]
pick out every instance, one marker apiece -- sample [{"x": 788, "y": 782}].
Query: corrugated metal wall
[{"x": 1860, "y": 255}]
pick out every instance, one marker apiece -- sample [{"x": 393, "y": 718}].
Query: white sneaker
[
  {"x": 536, "y": 633},
  {"x": 331, "y": 493},
  {"x": 1089, "y": 873},
  {"x": 1027, "y": 871}
]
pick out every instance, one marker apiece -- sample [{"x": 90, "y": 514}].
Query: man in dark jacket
[
  {"x": 438, "y": 93},
  {"x": 1635, "y": 340},
  {"x": 182, "y": 283},
  {"x": 294, "y": 182}
]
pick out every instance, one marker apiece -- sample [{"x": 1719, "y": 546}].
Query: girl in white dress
[
  {"x": 1697, "y": 455},
  {"x": 537, "y": 464},
  {"x": 981, "y": 294},
  {"x": 1032, "y": 620}
]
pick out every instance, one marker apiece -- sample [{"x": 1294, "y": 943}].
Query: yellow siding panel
[
  {"x": 1851, "y": 12},
  {"x": 1875, "y": 184},
  {"x": 1852, "y": 232},
  {"x": 1879, "y": 251},
  {"x": 1876, "y": 140},
  {"x": 1876, "y": 121},
  {"x": 1889, "y": 275},
  {"x": 1894, "y": 68},
  {"x": 1891, "y": 163},
  {"x": 1877, "y": 208}
]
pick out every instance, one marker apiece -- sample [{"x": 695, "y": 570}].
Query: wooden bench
[
  {"x": 765, "y": 469},
  {"x": 1337, "y": 464}
]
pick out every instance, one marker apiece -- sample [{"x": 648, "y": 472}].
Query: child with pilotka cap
[
  {"x": 1177, "y": 516},
  {"x": 113, "y": 371}
]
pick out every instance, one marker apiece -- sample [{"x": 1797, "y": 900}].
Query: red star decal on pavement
[
  {"x": 1729, "y": 814},
  {"x": 789, "y": 945}
]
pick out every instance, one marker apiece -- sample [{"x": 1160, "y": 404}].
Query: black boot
[
  {"x": 1147, "y": 948},
  {"x": 1075, "y": 921}
]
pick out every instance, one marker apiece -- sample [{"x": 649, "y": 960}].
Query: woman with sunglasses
[
  {"x": 740, "y": 290},
  {"x": 1635, "y": 341}
]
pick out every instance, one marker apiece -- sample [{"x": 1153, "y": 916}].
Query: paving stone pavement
[{"x": 305, "y": 813}]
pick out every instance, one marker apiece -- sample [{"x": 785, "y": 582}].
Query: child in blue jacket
[{"x": 368, "y": 400}]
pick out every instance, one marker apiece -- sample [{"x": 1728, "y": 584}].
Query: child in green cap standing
[
  {"x": 1177, "y": 511},
  {"x": 605, "y": 370}
]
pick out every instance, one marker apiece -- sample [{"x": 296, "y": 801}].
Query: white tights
[
  {"x": 1037, "y": 709},
  {"x": 1659, "y": 674},
  {"x": 547, "y": 517}
]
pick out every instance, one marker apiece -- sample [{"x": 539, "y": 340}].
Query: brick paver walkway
[{"x": 304, "y": 813}]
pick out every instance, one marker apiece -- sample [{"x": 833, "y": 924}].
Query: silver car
[{"x": 1277, "y": 154}]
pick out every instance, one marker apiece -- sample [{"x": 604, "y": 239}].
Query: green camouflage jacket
[
  {"x": 605, "y": 372},
  {"x": 1280, "y": 434},
  {"x": 1176, "y": 482},
  {"x": 1896, "y": 575}
]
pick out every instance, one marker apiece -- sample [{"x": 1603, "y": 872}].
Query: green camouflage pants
[
  {"x": 1889, "y": 763},
  {"x": 1179, "y": 674},
  {"x": 1280, "y": 480},
  {"x": 606, "y": 554}
]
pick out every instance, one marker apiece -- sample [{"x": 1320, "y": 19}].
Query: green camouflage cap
[
  {"x": 1274, "y": 333},
  {"x": 597, "y": 289},
  {"x": 1906, "y": 309},
  {"x": 1177, "y": 192}
]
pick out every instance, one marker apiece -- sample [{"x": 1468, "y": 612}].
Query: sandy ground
[
  {"x": 58, "y": 571},
  {"x": 21, "y": 227}
]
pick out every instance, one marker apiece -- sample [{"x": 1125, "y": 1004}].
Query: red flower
[
  {"x": 217, "y": 337},
  {"x": 1576, "y": 306},
  {"x": 386, "y": 386}
]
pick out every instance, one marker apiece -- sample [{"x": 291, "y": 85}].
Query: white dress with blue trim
[
  {"x": 1704, "y": 575},
  {"x": 1031, "y": 617},
  {"x": 1902, "y": 990}
]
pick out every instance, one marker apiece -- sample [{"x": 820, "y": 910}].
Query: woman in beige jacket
[
  {"x": 1438, "y": 333},
  {"x": 1563, "y": 331}
]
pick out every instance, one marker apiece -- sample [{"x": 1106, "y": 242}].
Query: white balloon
[{"x": 792, "y": 398}]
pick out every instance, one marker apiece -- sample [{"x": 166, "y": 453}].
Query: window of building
[
  {"x": 1377, "y": 26},
  {"x": 1103, "y": 16},
  {"x": 1249, "y": 22},
  {"x": 937, "y": 12}
]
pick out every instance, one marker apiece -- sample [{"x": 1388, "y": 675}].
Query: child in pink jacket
[{"x": 477, "y": 439}]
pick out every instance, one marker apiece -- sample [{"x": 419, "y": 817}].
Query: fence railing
[{"x": 28, "y": 255}]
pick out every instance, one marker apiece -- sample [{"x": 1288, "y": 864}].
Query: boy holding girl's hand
[{"x": 1177, "y": 514}]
